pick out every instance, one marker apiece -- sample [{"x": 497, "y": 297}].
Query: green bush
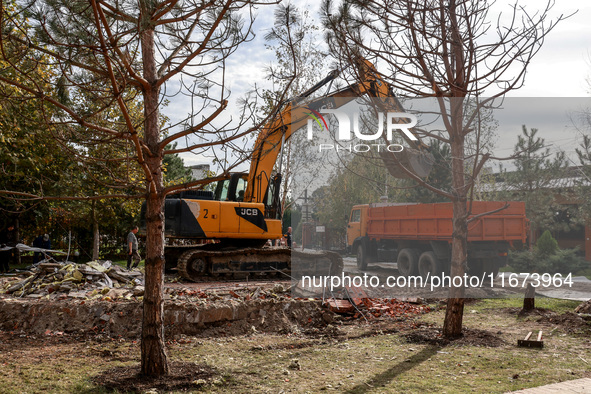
[
  {"x": 547, "y": 257},
  {"x": 546, "y": 245},
  {"x": 565, "y": 261},
  {"x": 522, "y": 260}
]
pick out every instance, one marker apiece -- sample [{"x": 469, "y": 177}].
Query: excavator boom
[{"x": 294, "y": 115}]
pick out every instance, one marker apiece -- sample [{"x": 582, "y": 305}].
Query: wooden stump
[{"x": 529, "y": 299}]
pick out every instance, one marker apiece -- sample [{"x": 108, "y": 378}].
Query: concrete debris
[
  {"x": 203, "y": 296},
  {"x": 585, "y": 307},
  {"x": 102, "y": 316},
  {"x": 95, "y": 279}
]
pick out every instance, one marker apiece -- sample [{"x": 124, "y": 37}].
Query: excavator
[{"x": 243, "y": 211}]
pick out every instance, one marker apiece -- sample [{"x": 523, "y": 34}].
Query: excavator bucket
[{"x": 418, "y": 162}]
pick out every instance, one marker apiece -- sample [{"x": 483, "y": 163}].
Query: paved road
[
  {"x": 350, "y": 266},
  {"x": 579, "y": 290}
]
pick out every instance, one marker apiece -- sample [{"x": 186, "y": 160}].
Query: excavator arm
[{"x": 294, "y": 114}]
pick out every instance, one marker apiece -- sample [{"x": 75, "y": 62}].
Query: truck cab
[{"x": 357, "y": 226}]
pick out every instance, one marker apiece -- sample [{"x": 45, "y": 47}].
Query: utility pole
[{"x": 305, "y": 205}]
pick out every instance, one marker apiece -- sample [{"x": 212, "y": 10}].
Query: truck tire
[
  {"x": 362, "y": 257},
  {"x": 429, "y": 265},
  {"x": 408, "y": 260}
]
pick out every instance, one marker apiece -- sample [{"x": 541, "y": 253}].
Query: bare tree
[
  {"x": 448, "y": 50},
  {"x": 298, "y": 64},
  {"x": 118, "y": 63}
]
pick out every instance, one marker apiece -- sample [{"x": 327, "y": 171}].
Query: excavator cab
[{"x": 234, "y": 187}]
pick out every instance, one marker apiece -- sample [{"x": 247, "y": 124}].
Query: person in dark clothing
[
  {"x": 42, "y": 242},
  {"x": 7, "y": 239},
  {"x": 288, "y": 237},
  {"x": 132, "y": 249}
]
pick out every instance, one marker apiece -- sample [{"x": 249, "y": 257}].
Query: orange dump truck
[{"x": 418, "y": 236}]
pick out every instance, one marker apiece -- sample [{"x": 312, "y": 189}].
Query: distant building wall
[{"x": 199, "y": 171}]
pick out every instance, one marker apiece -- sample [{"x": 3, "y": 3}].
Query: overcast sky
[{"x": 560, "y": 69}]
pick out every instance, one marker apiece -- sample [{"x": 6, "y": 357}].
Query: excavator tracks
[{"x": 198, "y": 265}]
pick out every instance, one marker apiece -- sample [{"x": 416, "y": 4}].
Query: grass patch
[
  {"x": 123, "y": 263},
  {"x": 586, "y": 273},
  {"x": 552, "y": 304}
]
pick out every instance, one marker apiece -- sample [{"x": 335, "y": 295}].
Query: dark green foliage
[
  {"x": 535, "y": 174},
  {"x": 175, "y": 170},
  {"x": 565, "y": 261},
  {"x": 523, "y": 261},
  {"x": 291, "y": 218},
  {"x": 547, "y": 257},
  {"x": 365, "y": 180},
  {"x": 546, "y": 245},
  {"x": 583, "y": 188}
]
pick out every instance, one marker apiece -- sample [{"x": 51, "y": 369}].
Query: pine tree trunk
[
  {"x": 154, "y": 357},
  {"x": 95, "y": 233}
]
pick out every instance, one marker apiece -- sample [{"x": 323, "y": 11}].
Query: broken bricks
[{"x": 354, "y": 301}]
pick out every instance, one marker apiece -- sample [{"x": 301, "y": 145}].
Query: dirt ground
[
  {"x": 348, "y": 354},
  {"x": 256, "y": 337}
]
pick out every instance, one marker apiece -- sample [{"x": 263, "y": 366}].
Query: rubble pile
[
  {"x": 585, "y": 307},
  {"x": 278, "y": 293},
  {"x": 95, "y": 279},
  {"x": 354, "y": 303}
]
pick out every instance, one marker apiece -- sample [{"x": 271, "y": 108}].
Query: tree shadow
[
  {"x": 183, "y": 376},
  {"x": 389, "y": 375}
]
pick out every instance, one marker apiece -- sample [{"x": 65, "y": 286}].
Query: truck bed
[{"x": 434, "y": 221}]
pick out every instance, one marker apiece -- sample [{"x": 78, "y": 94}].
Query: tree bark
[
  {"x": 154, "y": 357},
  {"x": 529, "y": 301},
  {"x": 95, "y": 233},
  {"x": 452, "y": 325}
]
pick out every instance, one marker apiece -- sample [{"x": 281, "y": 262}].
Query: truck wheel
[
  {"x": 408, "y": 262},
  {"x": 429, "y": 265},
  {"x": 361, "y": 257}
]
